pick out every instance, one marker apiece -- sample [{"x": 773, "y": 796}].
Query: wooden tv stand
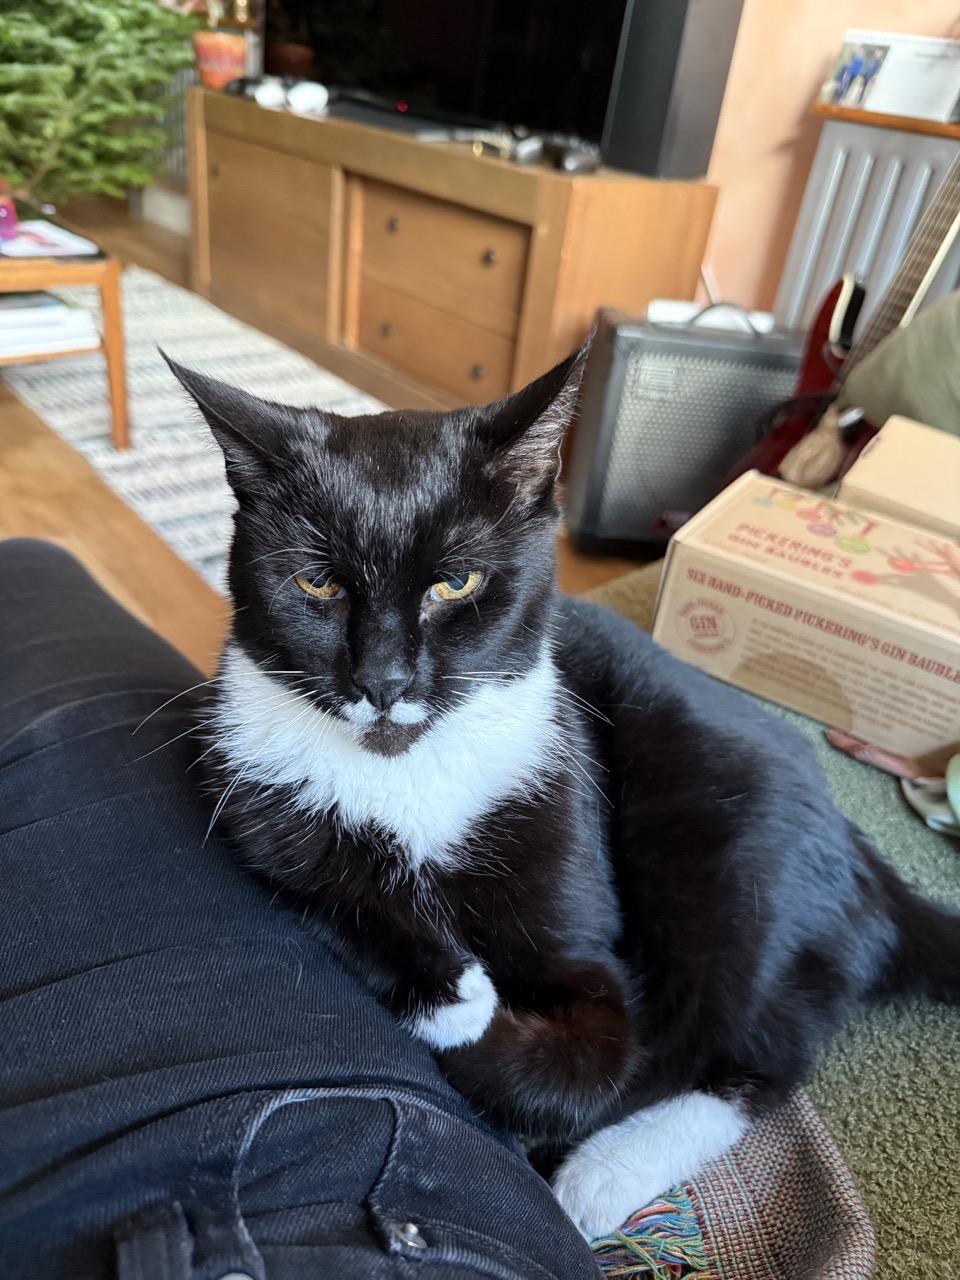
[{"x": 423, "y": 273}]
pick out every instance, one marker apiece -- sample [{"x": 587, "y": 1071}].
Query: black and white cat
[{"x": 611, "y": 893}]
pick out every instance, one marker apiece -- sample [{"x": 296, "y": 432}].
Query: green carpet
[{"x": 889, "y": 1086}]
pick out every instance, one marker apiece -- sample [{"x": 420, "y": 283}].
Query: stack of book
[{"x": 38, "y": 324}]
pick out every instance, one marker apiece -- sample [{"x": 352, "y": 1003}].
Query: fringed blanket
[{"x": 780, "y": 1206}]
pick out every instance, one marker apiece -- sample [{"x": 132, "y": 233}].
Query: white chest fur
[{"x": 500, "y": 742}]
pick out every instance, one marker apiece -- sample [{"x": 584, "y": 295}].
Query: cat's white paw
[
  {"x": 462, "y": 1021},
  {"x": 598, "y": 1196},
  {"x": 621, "y": 1168}
]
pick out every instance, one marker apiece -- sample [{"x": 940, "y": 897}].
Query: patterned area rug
[{"x": 173, "y": 475}]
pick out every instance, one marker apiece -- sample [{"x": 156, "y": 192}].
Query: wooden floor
[{"x": 48, "y": 490}]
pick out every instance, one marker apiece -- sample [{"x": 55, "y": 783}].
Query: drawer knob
[
  {"x": 214, "y": 170},
  {"x": 491, "y": 258},
  {"x": 478, "y": 371},
  {"x": 387, "y": 328},
  {"x": 393, "y": 224}
]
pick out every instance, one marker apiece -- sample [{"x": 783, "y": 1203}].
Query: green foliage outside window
[{"x": 83, "y": 89}]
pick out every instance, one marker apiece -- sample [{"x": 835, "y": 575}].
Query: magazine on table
[{"x": 37, "y": 238}]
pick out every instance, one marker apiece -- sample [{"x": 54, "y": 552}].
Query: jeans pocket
[{"x": 359, "y": 1181}]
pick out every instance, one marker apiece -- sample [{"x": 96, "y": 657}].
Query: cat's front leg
[
  {"x": 462, "y": 1017},
  {"x": 438, "y": 990},
  {"x": 555, "y": 1067}
]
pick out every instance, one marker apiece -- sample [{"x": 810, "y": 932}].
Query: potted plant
[
  {"x": 83, "y": 90},
  {"x": 221, "y": 55},
  {"x": 289, "y": 51}
]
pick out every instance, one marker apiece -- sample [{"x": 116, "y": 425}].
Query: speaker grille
[{"x": 682, "y": 423}]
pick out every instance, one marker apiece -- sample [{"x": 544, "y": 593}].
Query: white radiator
[{"x": 865, "y": 194}]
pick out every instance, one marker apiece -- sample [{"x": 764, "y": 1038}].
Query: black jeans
[{"x": 190, "y": 1085}]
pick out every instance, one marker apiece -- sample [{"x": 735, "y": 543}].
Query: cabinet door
[{"x": 270, "y": 219}]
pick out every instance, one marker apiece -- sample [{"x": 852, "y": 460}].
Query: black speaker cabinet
[
  {"x": 668, "y": 86},
  {"x": 665, "y": 412}
]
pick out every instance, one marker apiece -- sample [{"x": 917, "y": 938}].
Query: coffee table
[{"x": 18, "y": 274}]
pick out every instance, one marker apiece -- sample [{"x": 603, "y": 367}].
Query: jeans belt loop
[
  {"x": 223, "y": 1246},
  {"x": 155, "y": 1245},
  {"x": 159, "y": 1245}
]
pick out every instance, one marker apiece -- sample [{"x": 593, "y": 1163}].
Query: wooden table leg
[{"x": 113, "y": 349}]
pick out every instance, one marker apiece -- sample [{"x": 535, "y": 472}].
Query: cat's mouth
[
  {"x": 387, "y": 738},
  {"x": 387, "y": 733}
]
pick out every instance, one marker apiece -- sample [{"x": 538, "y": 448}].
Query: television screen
[{"x": 547, "y": 65}]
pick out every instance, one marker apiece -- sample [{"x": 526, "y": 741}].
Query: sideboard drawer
[
  {"x": 433, "y": 346},
  {"x": 446, "y": 254}
]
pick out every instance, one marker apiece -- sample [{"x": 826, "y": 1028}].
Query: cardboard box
[
  {"x": 911, "y": 473},
  {"x": 844, "y": 615}
]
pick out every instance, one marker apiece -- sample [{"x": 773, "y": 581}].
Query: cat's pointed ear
[
  {"x": 247, "y": 429},
  {"x": 524, "y": 431}
]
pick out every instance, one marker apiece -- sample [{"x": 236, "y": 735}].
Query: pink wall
[{"x": 766, "y": 137}]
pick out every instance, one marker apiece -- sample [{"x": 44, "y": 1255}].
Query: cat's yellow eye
[
  {"x": 320, "y": 591},
  {"x": 456, "y": 588}
]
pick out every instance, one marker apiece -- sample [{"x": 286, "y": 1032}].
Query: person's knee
[
  {"x": 31, "y": 554},
  {"x": 64, "y": 638}
]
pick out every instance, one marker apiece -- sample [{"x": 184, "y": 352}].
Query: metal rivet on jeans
[
  {"x": 236, "y": 1275},
  {"x": 407, "y": 1233}
]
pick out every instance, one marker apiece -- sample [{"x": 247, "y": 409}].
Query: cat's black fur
[{"x": 690, "y": 913}]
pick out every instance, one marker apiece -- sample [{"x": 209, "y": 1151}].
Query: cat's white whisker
[
  {"x": 284, "y": 551},
  {"x": 289, "y": 578},
  {"x": 561, "y": 691},
  {"x": 483, "y": 535},
  {"x": 193, "y": 728},
  {"x": 249, "y": 764},
  {"x": 583, "y": 704},
  {"x": 218, "y": 809},
  {"x": 313, "y": 530},
  {"x": 182, "y": 694}
]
